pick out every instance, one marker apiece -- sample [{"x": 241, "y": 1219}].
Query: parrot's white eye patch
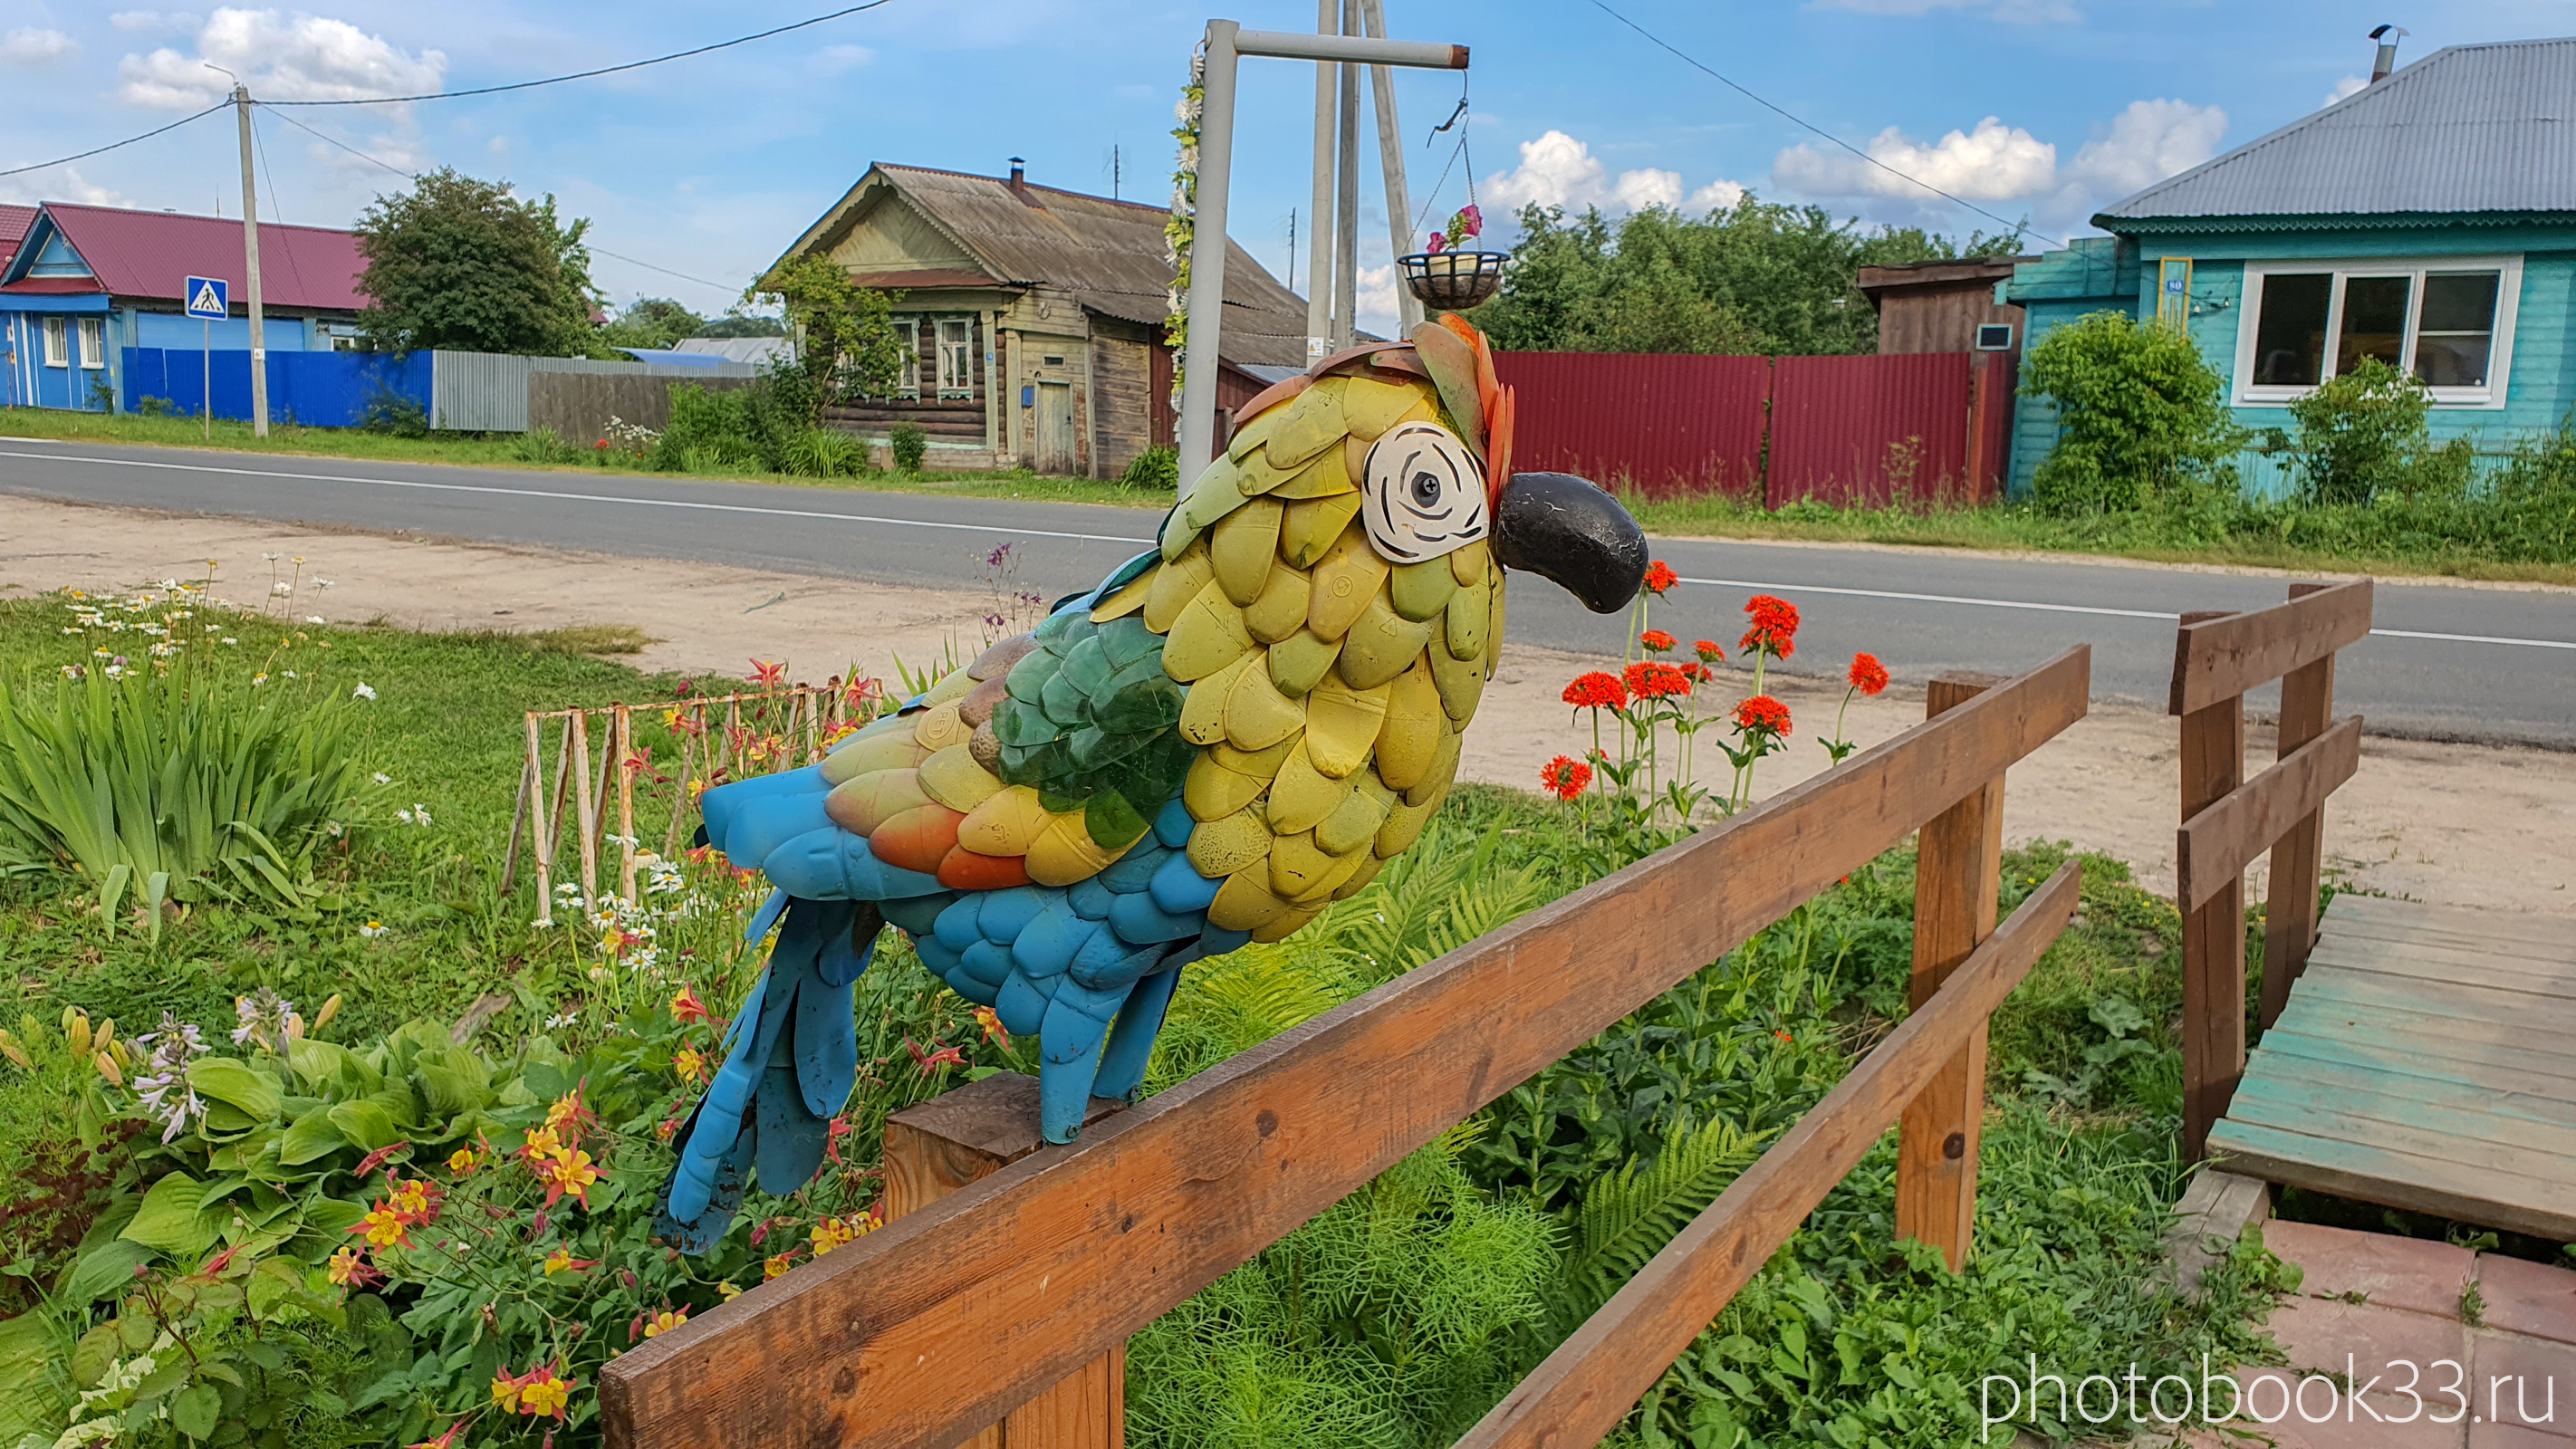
[{"x": 1423, "y": 494}]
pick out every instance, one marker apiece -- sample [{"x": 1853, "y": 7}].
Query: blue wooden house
[
  {"x": 86, "y": 287},
  {"x": 2428, "y": 220}
]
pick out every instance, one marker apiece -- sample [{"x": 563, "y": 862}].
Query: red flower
[
  {"x": 1775, "y": 625},
  {"x": 1564, "y": 777},
  {"x": 1657, "y": 641},
  {"x": 686, "y": 1008},
  {"x": 1868, "y": 675},
  {"x": 1660, "y": 578},
  {"x": 376, "y": 1159},
  {"x": 1700, "y": 672},
  {"x": 768, "y": 675},
  {"x": 1596, "y": 690},
  {"x": 1762, "y": 715},
  {"x": 932, "y": 1061},
  {"x": 1709, "y": 651},
  {"x": 1653, "y": 679}
]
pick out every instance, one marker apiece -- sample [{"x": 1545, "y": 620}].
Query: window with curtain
[
  {"x": 58, "y": 352},
  {"x": 956, "y": 358},
  {"x": 93, "y": 342},
  {"x": 907, "y": 335}
]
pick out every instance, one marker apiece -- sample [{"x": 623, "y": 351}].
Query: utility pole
[
  {"x": 250, "y": 264},
  {"x": 1346, "y": 202},
  {"x": 1319, "y": 215},
  {"x": 1292, "y": 249},
  {"x": 1390, "y": 162}
]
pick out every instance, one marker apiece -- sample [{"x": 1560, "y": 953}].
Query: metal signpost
[
  {"x": 208, "y": 298},
  {"x": 1226, "y": 43}
]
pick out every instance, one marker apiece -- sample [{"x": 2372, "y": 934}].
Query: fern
[{"x": 1629, "y": 1216}]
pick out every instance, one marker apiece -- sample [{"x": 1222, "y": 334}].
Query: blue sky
[{"x": 710, "y": 166}]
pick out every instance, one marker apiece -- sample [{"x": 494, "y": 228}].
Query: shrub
[
  {"x": 543, "y": 446},
  {"x": 392, "y": 413},
  {"x": 2139, "y": 413},
  {"x": 1155, "y": 470},
  {"x": 176, "y": 775},
  {"x": 826, "y": 453},
  {"x": 709, "y": 429},
  {"x": 2362, "y": 437},
  {"x": 910, "y": 445},
  {"x": 156, "y": 407}
]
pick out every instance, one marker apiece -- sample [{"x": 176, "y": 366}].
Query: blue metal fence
[{"x": 314, "y": 389}]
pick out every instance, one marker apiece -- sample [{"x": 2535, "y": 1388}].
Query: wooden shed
[
  {"x": 1034, "y": 318},
  {"x": 1938, "y": 306}
]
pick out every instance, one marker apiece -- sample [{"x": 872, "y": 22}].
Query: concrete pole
[
  {"x": 1319, "y": 211},
  {"x": 1390, "y": 161},
  {"x": 1207, "y": 254},
  {"x": 250, "y": 264},
  {"x": 1346, "y": 203}
]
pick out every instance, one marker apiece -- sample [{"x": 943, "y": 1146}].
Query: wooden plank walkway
[{"x": 2426, "y": 1060}]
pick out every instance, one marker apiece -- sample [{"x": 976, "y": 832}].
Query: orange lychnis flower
[
  {"x": 1656, "y": 640},
  {"x": 1660, "y": 578},
  {"x": 1763, "y": 714},
  {"x": 1596, "y": 690},
  {"x": 1775, "y": 626},
  {"x": 1867, "y": 674},
  {"x": 1653, "y": 679},
  {"x": 1565, "y": 777}
]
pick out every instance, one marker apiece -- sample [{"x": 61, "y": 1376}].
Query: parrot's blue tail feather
[{"x": 792, "y": 1063}]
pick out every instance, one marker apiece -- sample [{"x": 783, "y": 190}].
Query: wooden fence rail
[
  {"x": 948, "y": 1318},
  {"x": 2228, "y": 820}
]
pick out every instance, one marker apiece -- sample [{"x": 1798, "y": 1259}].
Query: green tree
[
  {"x": 2139, "y": 415},
  {"x": 742, "y": 324},
  {"x": 461, "y": 263},
  {"x": 652, "y": 322},
  {"x": 1758, "y": 277},
  {"x": 846, "y": 347}
]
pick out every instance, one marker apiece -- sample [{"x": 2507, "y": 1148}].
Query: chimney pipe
[
  {"x": 2387, "y": 36},
  {"x": 1020, "y": 172}
]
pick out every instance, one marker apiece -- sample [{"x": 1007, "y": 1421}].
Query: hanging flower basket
[{"x": 1454, "y": 280}]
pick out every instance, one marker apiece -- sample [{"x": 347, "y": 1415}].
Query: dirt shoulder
[{"x": 2470, "y": 825}]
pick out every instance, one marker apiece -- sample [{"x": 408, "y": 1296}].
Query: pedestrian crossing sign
[{"x": 207, "y": 297}]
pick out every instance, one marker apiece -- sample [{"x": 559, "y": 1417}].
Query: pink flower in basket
[{"x": 1437, "y": 244}]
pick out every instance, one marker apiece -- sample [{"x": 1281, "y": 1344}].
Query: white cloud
[
  {"x": 309, "y": 57},
  {"x": 153, "y": 20},
  {"x": 1558, "y": 170},
  {"x": 1715, "y": 196},
  {"x": 2351, "y": 85},
  {"x": 1994, "y": 162},
  {"x": 1377, "y": 300},
  {"x": 498, "y": 145},
  {"x": 833, "y": 59},
  {"x": 38, "y": 186},
  {"x": 27, "y": 46},
  {"x": 2011, "y": 12},
  {"x": 2148, "y": 142}
]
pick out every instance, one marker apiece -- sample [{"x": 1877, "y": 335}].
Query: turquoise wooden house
[{"x": 2428, "y": 220}]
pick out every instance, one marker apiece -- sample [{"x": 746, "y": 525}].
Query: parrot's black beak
[{"x": 1565, "y": 528}]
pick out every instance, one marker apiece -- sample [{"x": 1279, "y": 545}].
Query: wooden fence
[
  {"x": 2228, "y": 820},
  {"x": 579, "y": 405},
  {"x": 710, "y": 738},
  {"x": 956, "y": 1313}
]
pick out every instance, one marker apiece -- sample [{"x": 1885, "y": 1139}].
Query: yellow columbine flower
[
  {"x": 668, "y": 1318},
  {"x": 384, "y": 1227},
  {"x": 545, "y": 1397},
  {"x": 690, "y": 1066},
  {"x": 543, "y": 1142},
  {"x": 560, "y": 1260},
  {"x": 462, "y": 1160},
  {"x": 728, "y": 1292},
  {"x": 345, "y": 1265}
]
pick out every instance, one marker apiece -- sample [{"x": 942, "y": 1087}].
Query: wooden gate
[{"x": 948, "y": 1318}]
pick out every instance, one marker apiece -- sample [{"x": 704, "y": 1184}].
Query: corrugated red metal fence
[{"x": 1864, "y": 430}]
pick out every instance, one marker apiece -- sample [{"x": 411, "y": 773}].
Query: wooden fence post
[
  {"x": 2213, "y": 936},
  {"x": 934, "y": 1148},
  {"x": 585, "y": 805},
  {"x": 1958, "y": 882},
  {"x": 2290, "y": 904}
]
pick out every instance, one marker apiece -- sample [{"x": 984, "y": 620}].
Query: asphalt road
[{"x": 2446, "y": 661}]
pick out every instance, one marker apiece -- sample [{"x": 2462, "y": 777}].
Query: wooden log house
[{"x": 1033, "y": 318}]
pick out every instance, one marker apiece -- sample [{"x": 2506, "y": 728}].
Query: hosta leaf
[
  {"x": 365, "y": 1124},
  {"x": 170, "y": 1219},
  {"x": 313, "y": 1136},
  {"x": 236, "y": 1084}
]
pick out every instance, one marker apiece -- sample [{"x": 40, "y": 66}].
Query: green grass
[
  {"x": 465, "y": 450},
  {"x": 2385, "y": 540}
]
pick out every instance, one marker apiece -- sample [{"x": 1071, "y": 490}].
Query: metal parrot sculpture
[{"x": 1225, "y": 736}]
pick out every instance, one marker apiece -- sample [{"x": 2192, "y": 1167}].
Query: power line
[
  {"x": 2019, "y": 228},
  {"x": 398, "y": 171},
  {"x": 586, "y": 74},
  {"x": 128, "y": 141}
]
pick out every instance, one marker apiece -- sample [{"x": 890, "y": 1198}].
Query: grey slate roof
[{"x": 2467, "y": 129}]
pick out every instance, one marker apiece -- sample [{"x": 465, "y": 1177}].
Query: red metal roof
[
  {"x": 14, "y": 221},
  {"x": 49, "y": 287},
  {"x": 153, "y": 253}
]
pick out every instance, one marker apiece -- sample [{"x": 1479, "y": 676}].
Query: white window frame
[
  {"x": 962, "y": 385},
  {"x": 58, "y": 347},
  {"x": 907, "y": 382},
  {"x": 2247, "y": 393},
  {"x": 93, "y": 343}
]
